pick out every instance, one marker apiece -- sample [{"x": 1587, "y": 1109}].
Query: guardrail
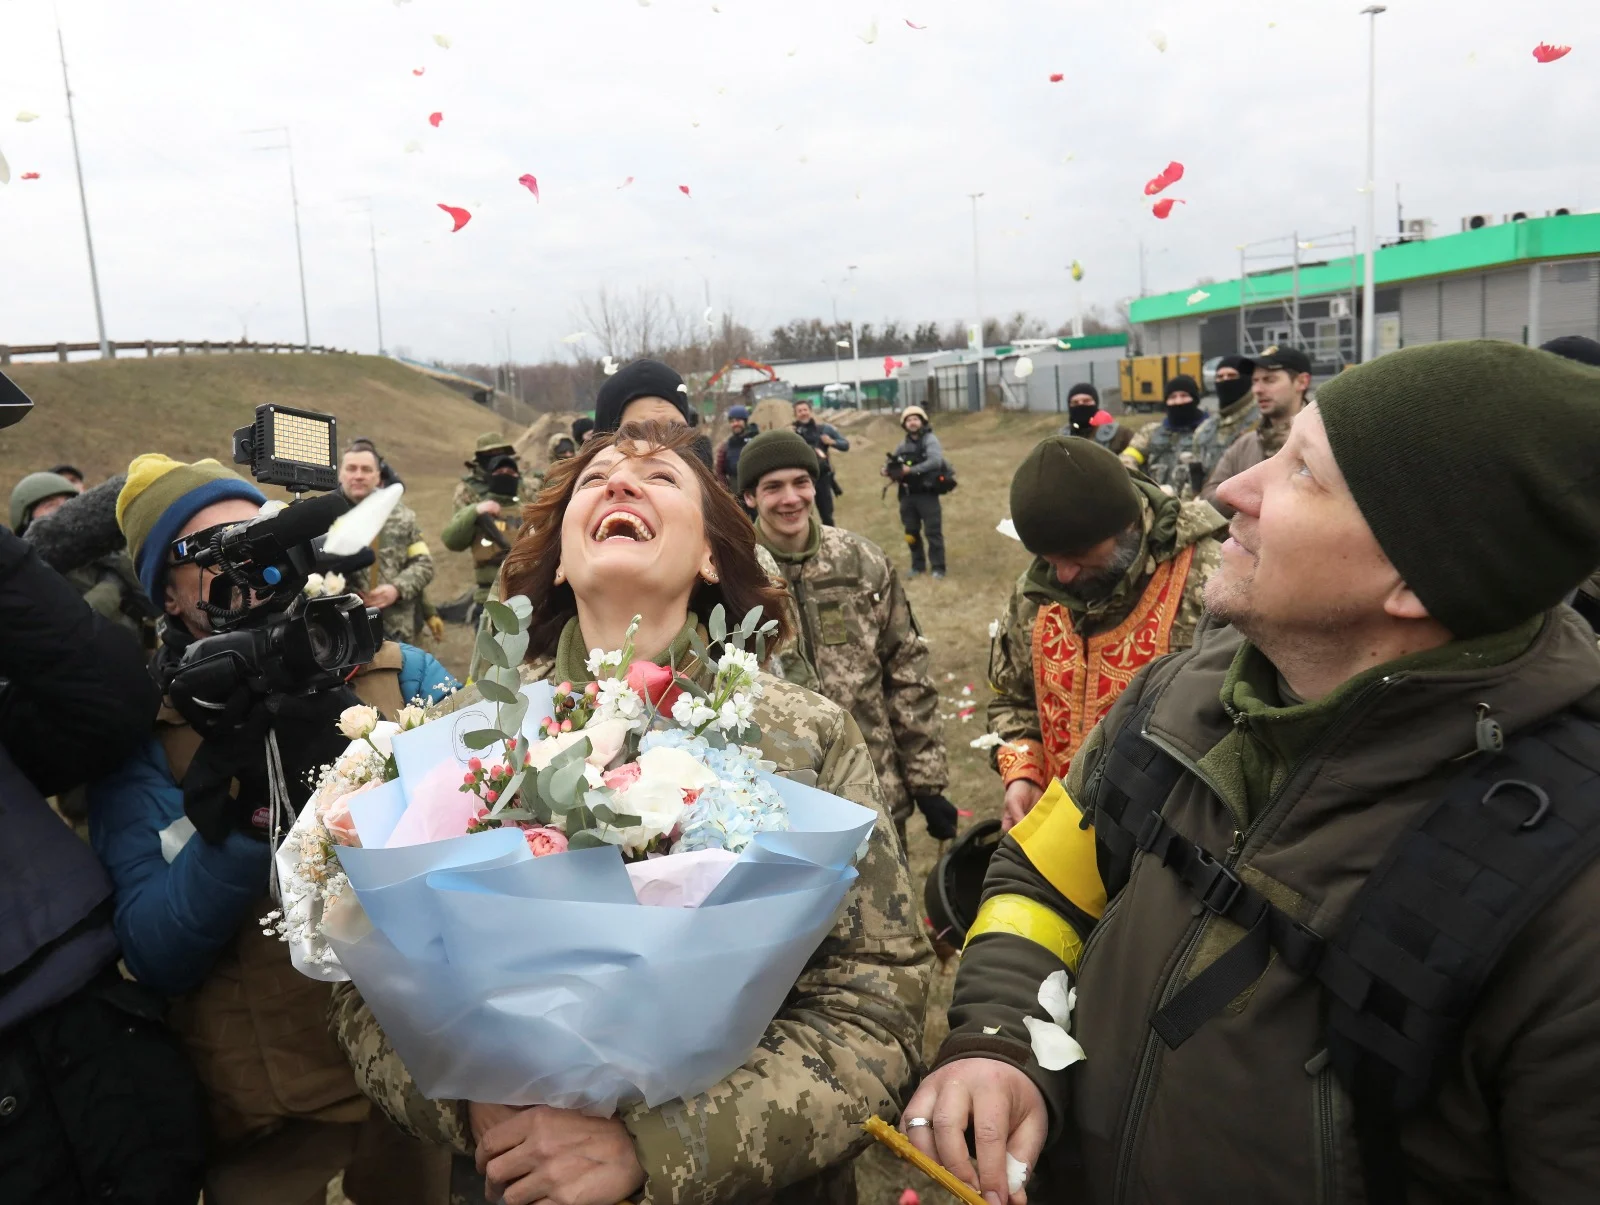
[{"x": 150, "y": 347}]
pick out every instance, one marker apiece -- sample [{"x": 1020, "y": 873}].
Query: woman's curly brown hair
[{"x": 530, "y": 566}]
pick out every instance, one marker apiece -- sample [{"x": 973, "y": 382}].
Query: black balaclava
[
  {"x": 1229, "y": 392},
  {"x": 1080, "y": 413},
  {"x": 1186, "y": 417},
  {"x": 505, "y": 475}
]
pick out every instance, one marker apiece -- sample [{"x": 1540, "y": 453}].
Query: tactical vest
[
  {"x": 256, "y": 1028},
  {"x": 1076, "y": 680},
  {"x": 1164, "y": 454}
]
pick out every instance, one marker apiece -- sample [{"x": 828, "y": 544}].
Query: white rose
[
  {"x": 656, "y": 796},
  {"x": 314, "y": 587},
  {"x": 410, "y": 717},
  {"x": 333, "y": 583},
  {"x": 357, "y": 722}
]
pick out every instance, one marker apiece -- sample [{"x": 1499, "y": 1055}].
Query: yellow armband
[
  {"x": 1032, "y": 921},
  {"x": 420, "y": 548}
]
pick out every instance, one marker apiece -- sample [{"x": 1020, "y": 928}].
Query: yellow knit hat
[{"x": 160, "y": 496}]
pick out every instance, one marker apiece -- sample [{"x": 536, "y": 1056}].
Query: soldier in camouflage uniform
[
  {"x": 1237, "y": 411},
  {"x": 1178, "y": 452},
  {"x": 489, "y": 512},
  {"x": 403, "y": 567},
  {"x": 474, "y": 487},
  {"x": 785, "y": 1125},
  {"x": 1117, "y": 581},
  {"x": 856, "y": 627}
]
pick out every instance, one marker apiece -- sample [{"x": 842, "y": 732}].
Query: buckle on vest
[
  {"x": 1540, "y": 799},
  {"x": 1220, "y": 891}
]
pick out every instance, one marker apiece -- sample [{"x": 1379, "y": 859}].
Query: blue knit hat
[{"x": 161, "y": 496}]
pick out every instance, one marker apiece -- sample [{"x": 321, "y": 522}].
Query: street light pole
[
  {"x": 377, "y": 300},
  {"x": 294, "y": 200},
  {"x": 83, "y": 203},
  {"x": 855, "y": 346},
  {"x": 977, "y": 283},
  {"x": 1369, "y": 292}
]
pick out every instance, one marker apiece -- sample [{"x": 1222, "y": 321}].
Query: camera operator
[
  {"x": 97, "y": 1100},
  {"x": 182, "y": 828}
]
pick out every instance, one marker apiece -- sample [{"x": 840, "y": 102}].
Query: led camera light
[{"x": 289, "y": 447}]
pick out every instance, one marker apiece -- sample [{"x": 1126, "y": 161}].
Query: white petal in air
[
  {"x": 1009, "y": 529},
  {"x": 1023, "y": 368},
  {"x": 5, "y": 171},
  {"x": 1198, "y": 296},
  {"x": 1053, "y": 1047},
  {"x": 575, "y": 337},
  {"x": 610, "y": 366},
  {"x": 360, "y": 525},
  {"x": 413, "y": 147},
  {"x": 442, "y": 41},
  {"x": 1158, "y": 40},
  {"x": 1016, "y": 1173},
  {"x": 869, "y": 35},
  {"x": 24, "y": 115},
  {"x": 1054, "y": 997}
]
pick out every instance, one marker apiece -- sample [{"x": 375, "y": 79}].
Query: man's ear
[
  {"x": 170, "y": 601},
  {"x": 749, "y": 499},
  {"x": 1403, "y": 603}
]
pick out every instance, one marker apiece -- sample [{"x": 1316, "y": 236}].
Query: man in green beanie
[
  {"x": 1118, "y": 573},
  {"x": 1351, "y": 841},
  {"x": 855, "y": 627}
]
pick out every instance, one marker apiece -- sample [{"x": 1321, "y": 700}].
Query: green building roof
[{"x": 1565, "y": 237}]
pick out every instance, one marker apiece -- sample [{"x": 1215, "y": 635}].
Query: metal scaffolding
[{"x": 1272, "y": 311}]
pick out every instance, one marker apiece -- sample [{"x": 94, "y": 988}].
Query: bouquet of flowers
[{"x": 570, "y": 897}]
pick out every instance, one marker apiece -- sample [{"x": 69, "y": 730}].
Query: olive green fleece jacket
[{"x": 1245, "y": 1110}]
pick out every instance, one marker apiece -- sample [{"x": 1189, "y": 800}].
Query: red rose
[{"x": 654, "y": 684}]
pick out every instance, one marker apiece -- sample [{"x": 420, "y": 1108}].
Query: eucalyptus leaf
[
  {"x": 513, "y": 714},
  {"x": 717, "y": 625},
  {"x": 515, "y": 647},
  {"x": 761, "y": 648},
  {"x": 769, "y": 627},
  {"x": 488, "y": 649},
  {"x": 483, "y": 738},
  {"x": 514, "y": 814},
  {"x": 496, "y": 693},
  {"x": 514, "y": 786},
  {"x": 603, "y": 814},
  {"x": 625, "y": 820},
  {"x": 540, "y": 813},
  {"x": 502, "y": 616},
  {"x": 580, "y": 817},
  {"x": 522, "y": 605},
  {"x": 748, "y": 627},
  {"x": 586, "y": 840},
  {"x": 565, "y": 782},
  {"x": 689, "y": 686}
]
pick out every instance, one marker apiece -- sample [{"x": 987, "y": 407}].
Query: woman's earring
[{"x": 711, "y": 577}]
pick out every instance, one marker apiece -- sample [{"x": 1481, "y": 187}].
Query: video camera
[{"x": 271, "y": 638}]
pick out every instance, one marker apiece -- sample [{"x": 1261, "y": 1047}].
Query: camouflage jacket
[
  {"x": 789, "y": 661},
  {"x": 1177, "y": 460},
  {"x": 404, "y": 562},
  {"x": 463, "y": 529},
  {"x": 845, "y": 1045},
  {"x": 857, "y": 628},
  {"x": 1014, "y": 711},
  {"x": 1233, "y": 421}
]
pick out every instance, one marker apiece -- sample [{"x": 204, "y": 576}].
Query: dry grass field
[{"x": 99, "y": 415}]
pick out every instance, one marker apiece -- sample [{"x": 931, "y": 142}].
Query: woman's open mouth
[{"x": 622, "y": 525}]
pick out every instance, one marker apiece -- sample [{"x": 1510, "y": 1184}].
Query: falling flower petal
[
  {"x": 869, "y": 35},
  {"x": 1008, "y": 529},
  {"x": 625, "y": 184},
  {"x": 531, "y": 183},
  {"x": 1198, "y": 296},
  {"x": 909, "y": 1197},
  {"x": 1163, "y": 208},
  {"x": 575, "y": 337},
  {"x": 1053, "y": 997},
  {"x": 441, "y": 41},
  {"x": 890, "y": 364},
  {"x": 610, "y": 366},
  {"x": 434, "y": 119},
  {"x": 709, "y": 317},
  {"x": 644, "y": 3},
  {"x": 29, "y": 176},
  {"x": 418, "y": 70},
  {"x": 914, "y": 25},
  {"x": 965, "y": 813},
  {"x": 1101, "y": 418},
  {"x": 25, "y": 116},
  {"x": 5, "y": 171},
  {"x": 991, "y": 1029},
  {"x": 694, "y": 122},
  {"x": 1016, "y": 1173},
  {"x": 1056, "y": 77},
  {"x": 1053, "y": 1047},
  {"x": 987, "y": 741},
  {"x": 413, "y": 147},
  {"x": 790, "y": 53},
  {"x": 1158, "y": 40},
  {"x": 1546, "y": 53},
  {"x": 684, "y": 189},
  {"x": 1023, "y": 368},
  {"x": 458, "y": 215},
  {"x": 1168, "y": 176}
]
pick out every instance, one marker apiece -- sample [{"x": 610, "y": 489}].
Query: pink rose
[
  {"x": 543, "y": 840},
  {"x": 337, "y": 820},
  {"x": 654, "y": 684},
  {"x": 622, "y": 777}
]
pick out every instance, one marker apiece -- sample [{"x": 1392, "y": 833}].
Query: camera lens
[{"x": 330, "y": 645}]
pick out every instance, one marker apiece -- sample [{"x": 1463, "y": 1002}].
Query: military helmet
[
  {"x": 954, "y": 887},
  {"x": 493, "y": 441},
  {"x": 34, "y": 489},
  {"x": 918, "y": 411}
]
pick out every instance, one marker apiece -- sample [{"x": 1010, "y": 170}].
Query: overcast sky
[{"x": 805, "y": 146}]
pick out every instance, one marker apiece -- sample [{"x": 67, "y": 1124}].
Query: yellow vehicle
[{"x": 1145, "y": 377}]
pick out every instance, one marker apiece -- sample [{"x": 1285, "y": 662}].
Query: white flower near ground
[
  {"x": 357, "y": 722},
  {"x": 1016, "y": 1173},
  {"x": 987, "y": 741},
  {"x": 1053, "y": 1047}
]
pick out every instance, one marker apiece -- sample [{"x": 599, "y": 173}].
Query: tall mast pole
[{"x": 83, "y": 203}]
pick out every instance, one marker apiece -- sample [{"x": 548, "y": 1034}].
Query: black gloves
[{"x": 940, "y": 814}]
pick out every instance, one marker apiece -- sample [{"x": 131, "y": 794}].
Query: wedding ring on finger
[{"x": 913, "y": 1122}]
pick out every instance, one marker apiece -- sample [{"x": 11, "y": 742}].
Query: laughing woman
[{"x": 636, "y": 525}]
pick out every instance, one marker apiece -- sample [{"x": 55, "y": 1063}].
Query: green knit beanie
[
  {"x": 1477, "y": 466},
  {"x": 1069, "y": 495},
  {"x": 774, "y": 450}
]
